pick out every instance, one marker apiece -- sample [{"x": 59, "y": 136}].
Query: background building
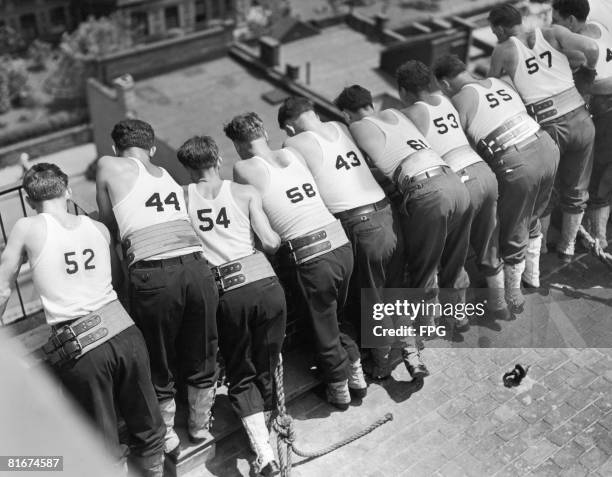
[{"x": 43, "y": 19}]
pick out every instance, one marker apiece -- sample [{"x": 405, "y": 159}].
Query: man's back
[
  {"x": 338, "y": 167},
  {"x": 289, "y": 193}
]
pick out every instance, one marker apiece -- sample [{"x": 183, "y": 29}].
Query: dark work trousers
[
  {"x": 436, "y": 232},
  {"x": 115, "y": 378},
  {"x": 481, "y": 183},
  {"x": 525, "y": 177},
  {"x": 175, "y": 304},
  {"x": 251, "y": 322},
  {"x": 574, "y": 134},
  {"x": 600, "y": 189},
  {"x": 324, "y": 282},
  {"x": 378, "y": 261}
]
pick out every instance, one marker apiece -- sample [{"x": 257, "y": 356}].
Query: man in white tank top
[
  {"x": 438, "y": 120},
  {"x": 541, "y": 74},
  {"x": 314, "y": 247},
  {"x": 352, "y": 194},
  {"x": 70, "y": 258},
  {"x": 252, "y": 310},
  {"x": 573, "y": 14},
  {"x": 172, "y": 293},
  {"x": 436, "y": 209},
  {"x": 523, "y": 157}
]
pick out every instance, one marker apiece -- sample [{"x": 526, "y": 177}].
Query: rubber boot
[
  {"x": 338, "y": 394},
  {"x": 413, "y": 362},
  {"x": 171, "y": 440},
  {"x": 381, "y": 366},
  {"x": 356, "y": 380},
  {"x": 201, "y": 401},
  {"x": 544, "y": 225},
  {"x": 259, "y": 437},
  {"x": 512, "y": 287},
  {"x": 569, "y": 229},
  {"x": 531, "y": 274},
  {"x": 596, "y": 224},
  {"x": 150, "y": 466}
]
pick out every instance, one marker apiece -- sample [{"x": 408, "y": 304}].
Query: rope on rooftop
[{"x": 286, "y": 435}]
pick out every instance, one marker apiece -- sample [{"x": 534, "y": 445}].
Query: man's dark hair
[
  {"x": 291, "y": 109},
  {"x": 198, "y": 153},
  {"x": 245, "y": 128},
  {"x": 448, "y": 66},
  {"x": 133, "y": 133},
  {"x": 505, "y": 15},
  {"x": 44, "y": 181},
  {"x": 579, "y": 8},
  {"x": 413, "y": 76},
  {"x": 353, "y": 98}
]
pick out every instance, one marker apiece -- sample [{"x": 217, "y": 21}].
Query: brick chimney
[
  {"x": 126, "y": 98},
  {"x": 269, "y": 51}
]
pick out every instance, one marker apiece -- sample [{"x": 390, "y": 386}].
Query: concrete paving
[{"x": 462, "y": 421}]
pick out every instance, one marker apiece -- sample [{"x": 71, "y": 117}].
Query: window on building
[
  {"x": 58, "y": 17},
  {"x": 172, "y": 17},
  {"x": 200, "y": 11},
  {"x": 215, "y": 10},
  {"x": 139, "y": 22},
  {"x": 28, "y": 25}
]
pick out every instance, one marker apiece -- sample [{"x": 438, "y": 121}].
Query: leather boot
[
  {"x": 596, "y": 223},
  {"x": 356, "y": 380},
  {"x": 544, "y": 225},
  {"x": 338, "y": 394},
  {"x": 171, "y": 440},
  {"x": 150, "y": 466},
  {"x": 531, "y": 274},
  {"x": 512, "y": 287},
  {"x": 200, "y": 412},
  {"x": 413, "y": 362},
  {"x": 569, "y": 229},
  {"x": 259, "y": 437}
]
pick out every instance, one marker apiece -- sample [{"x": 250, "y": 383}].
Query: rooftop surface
[
  {"x": 338, "y": 57},
  {"x": 200, "y": 99},
  {"x": 400, "y": 12}
]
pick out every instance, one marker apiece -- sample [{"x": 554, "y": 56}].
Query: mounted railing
[{"x": 24, "y": 301}]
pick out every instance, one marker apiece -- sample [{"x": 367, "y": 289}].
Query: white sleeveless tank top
[
  {"x": 72, "y": 273},
  {"x": 401, "y": 141},
  {"x": 496, "y": 105},
  {"x": 223, "y": 228},
  {"x": 292, "y": 201},
  {"x": 541, "y": 71},
  {"x": 444, "y": 131},
  {"x": 604, "y": 60},
  {"x": 344, "y": 178},
  {"x": 152, "y": 201}
]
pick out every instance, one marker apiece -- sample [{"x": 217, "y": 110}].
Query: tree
[
  {"x": 5, "y": 97},
  {"x": 93, "y": 39}
]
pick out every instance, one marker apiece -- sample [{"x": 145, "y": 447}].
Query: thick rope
[
  {"x": 285, "y": 431},
  {"x": 594, "y": 247}
]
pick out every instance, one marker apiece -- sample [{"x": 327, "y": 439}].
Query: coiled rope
[{"x": 286, "y": 435}]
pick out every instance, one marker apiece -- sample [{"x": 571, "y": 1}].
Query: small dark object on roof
[{"x": 513, "y": 378}]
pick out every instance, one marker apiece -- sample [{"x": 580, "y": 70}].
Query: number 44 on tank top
[{"x": 155, "y": 201}]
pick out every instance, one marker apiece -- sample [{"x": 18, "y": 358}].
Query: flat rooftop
[
  {"x": 338, "y": 57},
  {"x": 201, "y": 98}
]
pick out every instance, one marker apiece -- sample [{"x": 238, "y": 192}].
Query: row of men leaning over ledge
[{"x": 470, "y": 162}]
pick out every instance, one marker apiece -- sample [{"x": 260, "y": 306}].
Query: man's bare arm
[
  {"x": 419, "y": 120},
  {"x": 572, "y": 42},
  {"x": 10, "y": 262},
  {"x": 498, "y": 63},
  {"x": 105, "y": 205},
  {"x": 270, "y": 240}
]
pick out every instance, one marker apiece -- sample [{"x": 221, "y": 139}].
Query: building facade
[{"x": 44, "y": 19}]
